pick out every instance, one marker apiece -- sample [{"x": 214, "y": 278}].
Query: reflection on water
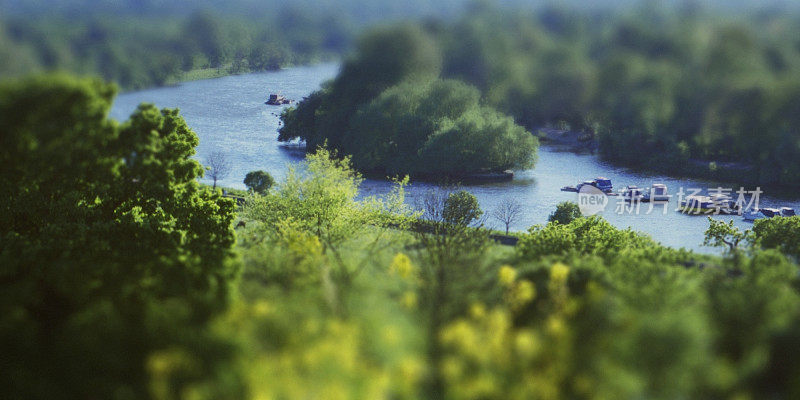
[{"x": 229, "y": 115}]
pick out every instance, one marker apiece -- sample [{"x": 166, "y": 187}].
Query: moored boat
[
  {"x": 697, "y": 205},
  {"x": 724, "y": 204},
  {"x": 604, "y": 184},
  {"x": 763, "y": 213},
  {"x": 752, "y": 215},
  {"x": 657, "y": 193},
  {"x": 632, "y": 193}
]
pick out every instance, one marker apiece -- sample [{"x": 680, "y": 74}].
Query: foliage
[
  {"x": 565, "y": 213},
  {"x": 782, "y": 234},
  {"x": 383, "y": 59},
  {"x": 317, "y": 206},
  {"x": 720, "y": 234},
  {"x": 697, "y": 93},
  {"x": 387, "y": 111},
  {"x": 139, "y": 50},
  {"x": 114, "y": 257},
  {"x": 461, "y": 208},
  {"x": 259, "y": 181}
]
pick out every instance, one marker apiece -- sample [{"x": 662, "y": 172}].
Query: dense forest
[
  {"x": 390, "y": 112},
  {"x": 697, "y": 93},
  {"x": 142, "y": 51},
  {"x": 124, "y": 278}
]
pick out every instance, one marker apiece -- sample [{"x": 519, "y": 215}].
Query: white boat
[
  {"x": 696, "y": 205},
  {"x": 752, "y": 215},
  {"x": 632, "y": 193},
  {"x": 725, "y": 204},
  {"x": 604, "y": 184},
  {"x": 657, "y": 192},
  {"x": 761, "y": 213}
]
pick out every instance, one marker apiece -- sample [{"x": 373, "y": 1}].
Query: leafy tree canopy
[
  {"x": 110, "y": 249},
  {"x": 259, "y": 181},
  {"x": 565, "y": 213}
]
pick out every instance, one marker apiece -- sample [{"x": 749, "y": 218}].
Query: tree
[
  {"x": 436, "y": 128},
  {"x": 461, "y": 208},
  {"x": 321, "y": 200},
  {"x": 451, "y": 250},
  {"x": 782, "y": 234},
  {"x": 218, "y": 166},
  {"x": 565, "y": 213},
  {"x": 208, "y": 37},
  {"x": 720, "y": 234},
  {"x": 385, "y": 57},
  {"x": 258, "y": 181},
  {"x": 111, "y": 251},
  {"x": 507, "y": 212}
]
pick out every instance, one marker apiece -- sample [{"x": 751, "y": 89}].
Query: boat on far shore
[
  {"x": 765, "y": 213},
  {"x": 632, "y": 193},
  {"x": 278, "y": 100},
  {"x": 657, "y": 193},
  {"x": 601, "y": 183}
]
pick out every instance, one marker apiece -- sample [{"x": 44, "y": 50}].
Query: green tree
[
  {"x": 782, "y": 234},
  {"x": 720, "y": 234},
  {"x": 208, "y": 37},
  {"x": 384, "y": 57},
  {"x": 565, "y": 213},
  {"x": 259, "y": 181},
  {"x": 111, "y": 251},
  {"x": 461, "y": 208},
  {"x": 320, "y": 200}
]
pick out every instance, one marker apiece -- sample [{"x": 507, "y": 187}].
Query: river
[{"x": 229, "y": 115}]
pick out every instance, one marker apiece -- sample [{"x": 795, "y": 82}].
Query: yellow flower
[
  {"x": 526, "y": 344},
  {"x": 409, "y": 299},
  {"x": 559, "y": 272},
  {"x": 477, "y": 310},
  {"x": 262, "y": 308},
  {"x": 524, "y": 291},
  {"x": 507, "y": 275},
  {"x": 411, "y": 369},
  {"x": 555, "y": 326},
  {"x": 402, "y": 266},
  {"x": 452, "y": 368}
]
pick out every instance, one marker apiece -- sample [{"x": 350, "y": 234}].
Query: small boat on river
[
  {"x": 764, "y": 213},
  {"x": 752, "y": 215},
  {"x": 697, "y": 205},
  {"x": 657, "y": 193},
  {"x": 277, "y": 100},
  {"x": 632, "y": 193},
  {"x": 724, "y": 204},
  {"x": 604, "y": 184}
]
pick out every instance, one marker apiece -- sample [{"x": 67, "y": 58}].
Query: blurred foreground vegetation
[{"x": 121, "y": 277}]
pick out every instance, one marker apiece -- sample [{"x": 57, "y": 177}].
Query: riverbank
[
  {"x": 729, "y": 173},
  {"x": 199, "y": 74}
]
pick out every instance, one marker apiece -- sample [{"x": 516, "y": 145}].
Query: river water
[{"x": 229, "y": 115}]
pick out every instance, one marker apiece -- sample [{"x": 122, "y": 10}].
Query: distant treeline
[
  {"x": 141, "y": 51},
  {"x": 659, "y": 88}
]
